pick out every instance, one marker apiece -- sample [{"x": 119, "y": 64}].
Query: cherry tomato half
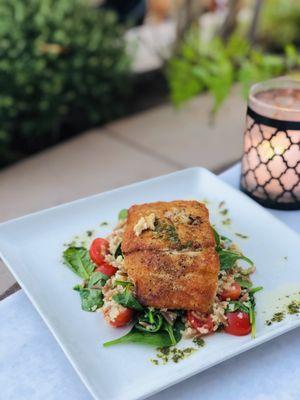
[
  {"x": 106, "y": 269},
  {"x": 198, "y": 320},
  {"x": 99, "y": 248},
  {"x": 124, "y": 317},
  {"x": 238, "y": 323},
  {"x": 232, "y": 293}
]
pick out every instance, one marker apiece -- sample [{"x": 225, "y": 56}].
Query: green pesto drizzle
[
  {"x": 240, "y": 235},
  {"x": 293, "y": 308},
  {"x": 167, "y": 354}
]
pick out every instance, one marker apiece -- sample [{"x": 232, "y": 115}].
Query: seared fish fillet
[
  {"x": 169, "y": 251},
  {"x": 174, "y": 280},
  {"x": 189, "y": 219}
]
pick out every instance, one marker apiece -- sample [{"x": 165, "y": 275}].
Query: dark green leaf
[
  {"x": 152, "y": 318},
  {"x": 252, "y": 317},
  {"x": 217, "y": 238},
  {"x": 118, "y": 252},
  {"x": 256, "y": 289},
  {"x": 97, "y": 279},
  {"x": 123, "y": 214},
  {"x": 127, "y": 299},
  {"x": 168, "y": 328},
  {"x": 243, "y": 283},
  {"x": 78, "y": 260},
  {"x": 159, "y": 339},
  {"x": 238, "y": 305},
  {"x": 178, "y": 327},
  {"x": 226, "y": 240},
  {"x": 229, "y": 258},
  {"x": 91, "y": 299}
]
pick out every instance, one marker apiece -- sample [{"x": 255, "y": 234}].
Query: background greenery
[
  {"x": 215, "y": 65},
  {"x": 63, "y": 67}
]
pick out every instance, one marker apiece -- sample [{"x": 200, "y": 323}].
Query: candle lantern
[{"x": 271, "y": 159}]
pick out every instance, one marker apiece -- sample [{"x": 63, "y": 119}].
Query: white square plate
[{"x": 32, "y": 246}]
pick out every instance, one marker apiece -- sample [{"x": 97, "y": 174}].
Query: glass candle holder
[{"x": 271, "y": 159}]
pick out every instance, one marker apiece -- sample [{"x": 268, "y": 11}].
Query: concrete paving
[
  {"x": 186, "y": 137},
  {"x": 149, "y": 144}
]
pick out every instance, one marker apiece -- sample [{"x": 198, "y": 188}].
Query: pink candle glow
[{"x": 271, "y": 160}]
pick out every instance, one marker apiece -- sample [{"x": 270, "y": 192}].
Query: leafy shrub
[
  {"x": 280, "y": 22},
  {"x": 216, "y": 65},
  {"x": 63, "y": 66}
]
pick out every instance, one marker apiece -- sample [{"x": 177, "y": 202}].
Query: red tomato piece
[
  {"x": 232, "y": 293},
  {"x": 198, "y": 320},
  {"x": 98, "y": 250},
  {"x": 106, "y": 269},
  {"x": 123, "y": 318},
  {"x": 238, "y": 323}
]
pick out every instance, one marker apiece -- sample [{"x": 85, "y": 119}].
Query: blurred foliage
[
  {"x": 63, "y": 66},
  {"x": 216, "y": 65},
  {"x": 280, "y": 22}
]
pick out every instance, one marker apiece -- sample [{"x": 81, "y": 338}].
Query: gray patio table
[{"x": 33, "y": 367}]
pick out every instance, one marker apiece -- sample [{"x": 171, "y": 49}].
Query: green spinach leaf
[
  {"x": 91, "y": 299},
  {"x": 169, "y": 329},
  {"x": 217, "y": 238},
  {"x": 123, "y": 214},
  {"x": 119, "y": 251},
  {"x": 229, "y": 258},
  {"x": 152, "y": 318},
  {"x": 163, "y": 335},
  {"x": 78, "y": 260},
  {"x": 238, "y": 305},
  {"x": 127, "y": 299},
  {"x": 243, "y": 283},
  {"x": 158, "y": 339},
  {"x": 97, "y": 280},
  {"x": 255, "y": 289}
]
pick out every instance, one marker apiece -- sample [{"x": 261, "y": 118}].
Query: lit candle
[{"x": 271, "y": 160}]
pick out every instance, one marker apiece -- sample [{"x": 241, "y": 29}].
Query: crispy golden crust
[
  {"x": 189, "y": 218},
  {"x": 175, "y": 280}
]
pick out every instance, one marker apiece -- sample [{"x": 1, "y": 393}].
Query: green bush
[
  {"x": 63, "y": 66},
  {"x": 216, "y": 65},
  {"x": 279, "y": 23}
]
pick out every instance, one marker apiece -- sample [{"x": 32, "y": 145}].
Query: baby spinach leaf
[
  {"x": 152, "y": 318},
  {"x": 158, "y": 339},
  {"x": 217, "y": 238},
  {"x": 91, "y": 299},
  {"x": 127, "y": 299},
  {"x": 252, "y": 316},
  {"x": 243, "y": 283},
  {"x": 229, "y": 258},
  {"x": 169, "y": 329},
  {"x": 78, "y": 260},
  {"x": 256, "y": 289},
  {"x": 123, "y": 214},
  {"x": 178, "y": 327},
  {"x": 238, "y": 305},
  {"x": 97, "y": 279},
  {"x": 119, "y": 251},
  {"x": 166, "y": 335}
]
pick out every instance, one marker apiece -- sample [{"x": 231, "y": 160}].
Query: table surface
[{"x": 32, "y": 365}]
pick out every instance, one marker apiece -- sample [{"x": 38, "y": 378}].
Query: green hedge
[{"x": 63, "y": 67}]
